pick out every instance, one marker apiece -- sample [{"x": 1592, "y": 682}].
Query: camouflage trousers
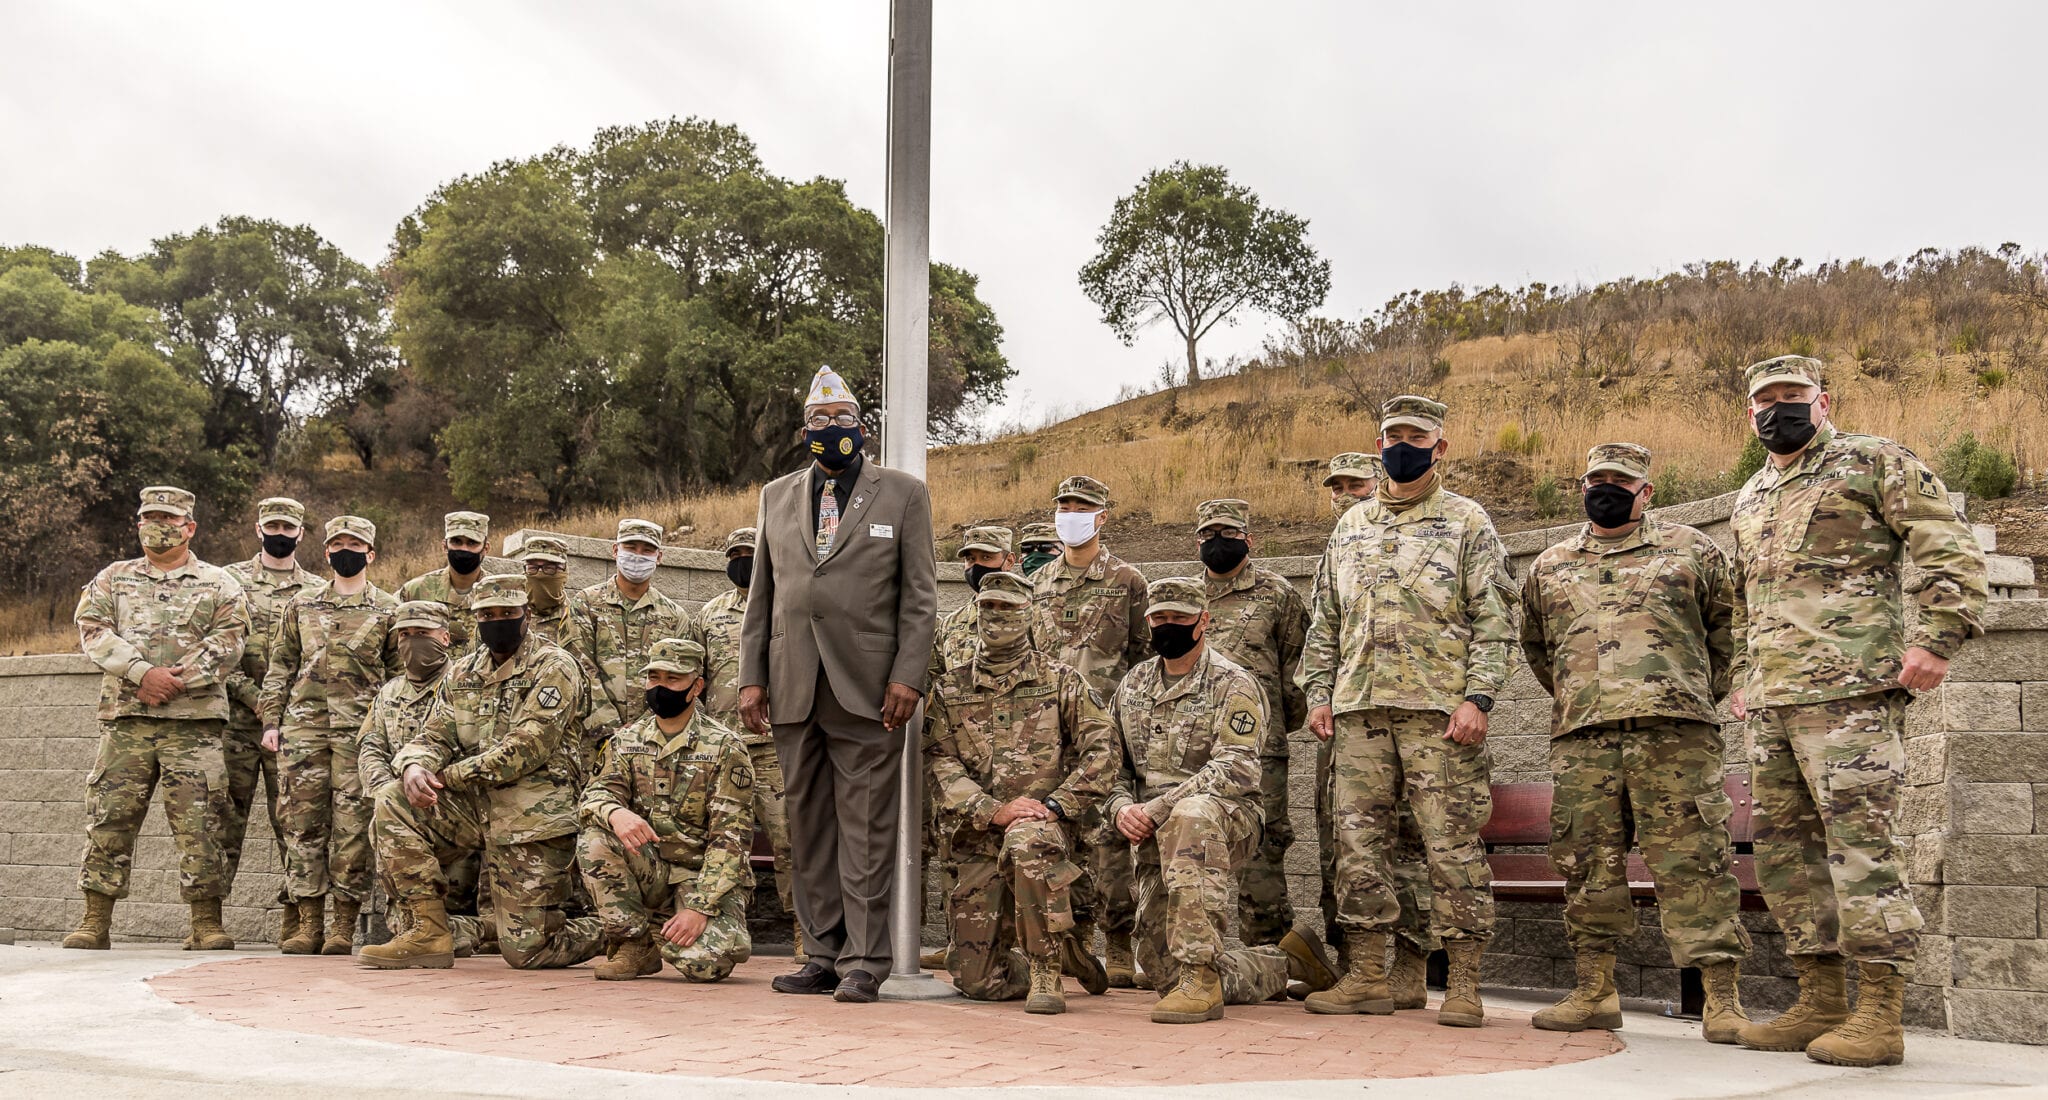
[
  {"x": 135, "y": 756},
  {"x": 325, "y": 817},
  {"x": 527, "y": 883},
  {"x": 1186, "y": 880},
  {"x": 1107, "y": 891},
  {"x": 247, "y": 762},
  {"x": 1407, "y": 866},
  {"x": 770, "y": 818},
  {"x": 1020, "y": 899},
  {"x": 636, "y": 893},
  {"x": 460, "y": 874},
  {"x": 1379, "y": 758},
  {"x": 1659, "y": 778},
  {"x": 1826, "y": 777},
  {"x": 1264, "y": 911}
]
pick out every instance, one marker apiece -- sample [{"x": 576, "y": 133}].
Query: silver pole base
[{"x": 917, "y": 986}]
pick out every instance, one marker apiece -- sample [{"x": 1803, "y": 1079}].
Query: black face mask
[
  {"x": 975, "y": 574},
  {"x": 1406, "y": 462},
  {"x": 667, "y": 702},
  {"x": 740, "y": 571},
  {"x": 280, "y": 546},
  {"x": 347, "y": 563},
  {"x": 1221, "y": 555},
  {"x": 1610, "y": 506},
  {"x": 834, "y": 447},
  {"x": 464, "y": 562},
  {"x": 1785, "y": 427},
  {"x": 502, "y": 636},
  {"x": 1171, "y": 640}
]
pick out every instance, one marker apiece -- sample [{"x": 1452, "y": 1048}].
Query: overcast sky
[{"x": 1493, "y": 143}]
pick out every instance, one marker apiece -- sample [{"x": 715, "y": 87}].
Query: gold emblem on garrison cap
[
  {"x": 1419, "y": 412},
  {"x": 1356, "y": 464},
  {"x": 1083, "y": 488},
  {"x": 280, "y": 509},
  {"x": 351, "y": 525},
  {"x": 1183, "y": 594},
  {"x": 422, "y": 613},
  {"x": 1004, "y": 588},
  {"x": 992, "y": 540},
  {"x": 639, "y": 530},
  {"x": 742, "y": 538},
  {"x": 466, "y": 525},
  {"x": 1626, "y": 459},
  {"x": 827, "y": 388},
  {"x": 166, "y": 498},
  {"x": 681, "y": 656},
  {"x": 1035, "y": 533},
  {"x": 544, "y": 548},
  {"x": 1785, "y": 368},
  {"x": 498, "y": 590},
  {"x": 1223, "y": 513}
]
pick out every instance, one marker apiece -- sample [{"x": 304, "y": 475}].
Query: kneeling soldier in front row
[
  {"x": 1019, "y": 748},
  {"x": 667, "y": 826}
]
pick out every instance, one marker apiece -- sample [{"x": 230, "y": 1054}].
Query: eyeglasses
[
  {"x": 544, "y": 569},
  {"x": 843, "y": 420}
]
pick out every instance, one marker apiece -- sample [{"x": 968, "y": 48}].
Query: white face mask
[
  {"x": 637, "y": 567},
  {"x": 1075, "y": 528}
]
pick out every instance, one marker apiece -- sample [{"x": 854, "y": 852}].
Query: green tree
[{"x": 1194, "y": 248}]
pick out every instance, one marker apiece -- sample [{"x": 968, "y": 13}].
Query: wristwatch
[
  {"x": 1058, "y": 811},
  {"x": 1483, "y": 702}
]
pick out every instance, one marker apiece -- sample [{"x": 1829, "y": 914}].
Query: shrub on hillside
[
  {"x": 1747, "y": 463},
  {"x": 1971, "y": 467}
]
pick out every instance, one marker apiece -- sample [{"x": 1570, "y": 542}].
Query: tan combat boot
[
  {"x": 635, "y": 958},
  {"x": 96, "y": 927},
  {"x": 797, "y": 951},
  {"x": 1076, "y": 959},
  {"x": 1823, "y": 1003},
  {"x": 207, "y": 933},
  {"x": 306, "y": 940},
  {"x": 288, "y": 923},
  {"x": 1363, "y": 988},
  {"x": 1722, "y": 1020},
  {"x": 1408, "y": 981},
  {"x": 1122, "y": 968},
  {"x": 1873, "y": 1035},
  {"x": 341, "y": 929},
  {"x": 1462, "y": 1007},
  {"x": 1308, "y": 964},
  {"x": 427, "y": 945},
  {"x": 934, "y": 958},
  {"x": 1592, "y": 1004},
  {"x": 1198, "y": 997},
  {"x": 1047, "y": 998}
]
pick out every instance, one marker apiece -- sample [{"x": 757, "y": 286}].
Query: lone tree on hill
[{"x": 1192, "y": 247}]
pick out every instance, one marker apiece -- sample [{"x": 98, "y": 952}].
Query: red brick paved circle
[{"x": 739, "y": 1029}]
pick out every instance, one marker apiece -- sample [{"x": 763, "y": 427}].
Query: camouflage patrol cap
[
  {"x": 681, "y": 656},
  {"x": 544, "y": 548},
  {"x": 744, "y": 537},
  {"x": 993, "y": 540},
  {"x": 280, "y": 508},
  {"x": 466, "y": 525},
  {"x": 1008, "y": 589},
  {"x": 639, "y": 530},
  {"x": 1035, "y": 533},
  {"x": 498, "y": 590},
  {"x": 1627, "y": 459},
  {"x": 1083, "y": 488},
  {"x": 351, "y": 525},
  {"x": 165, "y": 498},
  {"x": 430, "y": 614},
  {"x": 1223, "y": 513},
  {"x": 1420, "y": 412},
  {"x": 1355, "y": 464},
  {"x": 1785, "y": 368},
  {"x": 1184, "y": 594}
]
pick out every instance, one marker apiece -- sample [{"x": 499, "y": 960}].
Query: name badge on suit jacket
[{"x": 881, "y": 531}]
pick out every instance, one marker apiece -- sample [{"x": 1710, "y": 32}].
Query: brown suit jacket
[{"x": 866, "y": 613}]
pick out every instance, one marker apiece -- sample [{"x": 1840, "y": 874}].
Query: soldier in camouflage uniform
[
  {"x": 666, "y": 831},
  {"x": 1037, "y": 545},
  {"x": 1089, "y": 606},
  {"x": 331, "y": 651},
  {"x": 269, "y": 580},
  {"x": 1018, "y": 747},
  {"x": 1628, "y": 624},
  {"x": 721, "y": 620},
  {"x": 167, "y": 629},
  {"x": 1258, "y": 620},
  {"x": 495, "y": 766},
  {"x": 1353, "y": 476},
  {"x": 546, "y": 560},
  {"x": 1410, "y": 624},
  {"x": 466, "y": 535},
  {"x": 1826, "y": 657},
  {"x": 612, "y": 626},
  {"x": 1189, "y": 724}
]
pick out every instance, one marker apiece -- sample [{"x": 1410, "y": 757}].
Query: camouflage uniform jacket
[
  {"x": 610, "y": 639},
  {"x": 1094, "y": 617},
  {"x": 695, "y": 790},
  {"x": 510, "y": 730},
  {"x": 1037, "y": 731},
  {"x": 1260, "y": 621},
  {"x": 329, "y": 655},
  {"x": 1199, "y": 734},
  {"x": 954, "y": 641},
  {"x": 133, "y": 617},
  {"x": 551, "y": 627},
  {"x": 436, "y": 586},
  {"x": 1818, "y": 554},
  {"x": 1635, "y": 627},
  {"x": 1410, "y": 610},
  {"x": 396, "y": 715},
  {"x": 721, "y": 619},
  {"x": 265, "y": 591}
]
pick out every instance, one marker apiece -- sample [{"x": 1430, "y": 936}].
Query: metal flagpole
[{"x": 906, "y": 325}]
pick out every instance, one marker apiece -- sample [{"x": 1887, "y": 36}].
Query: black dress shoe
[
  {"x": 813, "y": 978},
  {"x": 858, "y": 988}
]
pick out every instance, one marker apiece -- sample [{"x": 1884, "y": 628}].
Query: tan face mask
[
  {"x": 544, "y": 591},
  {"x": 424, "y": 655}
]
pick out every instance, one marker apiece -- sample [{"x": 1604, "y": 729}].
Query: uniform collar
[
  {"x": 186, "y": 570},
  {"x": 368, "y": 595},
  {"x": 1097, "y": 569},
  {"x": 1809, "y": 459},
  {"x": 513, "y": 665},
  {"x": 1428, "y": 508},
  {"x": 613, "y": 596},
  {"x": 1186, "y": 684},
  {"x": 1647, "y": 533},
  {"x": 686, "y": 737},
  {"x": 1245, "y": 579},
  {"x": 260, "y": 573}
]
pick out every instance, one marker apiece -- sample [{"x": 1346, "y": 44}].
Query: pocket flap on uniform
[{"x": 1715, "y": 807}]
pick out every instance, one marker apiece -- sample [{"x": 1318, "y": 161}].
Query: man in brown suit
[{"x": 833, "y": 655}]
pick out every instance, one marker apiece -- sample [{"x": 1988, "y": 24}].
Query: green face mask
[
  {"x": 161, "y": 537},
  {"x": 1037, "y": 558}
]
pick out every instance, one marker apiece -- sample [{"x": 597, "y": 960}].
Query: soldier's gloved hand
[
  {"x": 684, "y": 928},
  {"x": 1134, "y": 823},
  {"x": 1020, "y": 809},
  {"x": 273, "y": 739},
  {"x": 420, "y": 785},
  {"x": 631, "y": 829},
  {"x": 1922, "y": 670},
  {"x": 1468, "y": 724},
  {"x": 1322, "y": 722}
]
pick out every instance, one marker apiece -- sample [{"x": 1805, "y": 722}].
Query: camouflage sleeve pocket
[{"x": 1715, "y": 807}]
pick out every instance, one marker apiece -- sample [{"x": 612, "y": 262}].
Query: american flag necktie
[{"x": 828, "y": 517}]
